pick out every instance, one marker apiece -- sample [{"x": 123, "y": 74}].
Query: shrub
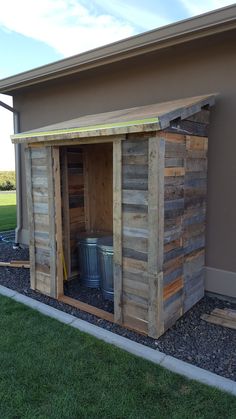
[{"x": 7, "y": 181}]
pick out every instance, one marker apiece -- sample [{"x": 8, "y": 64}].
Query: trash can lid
[
  {"x": 105, "y": 243},
  {"x": 91, "y": 236}
]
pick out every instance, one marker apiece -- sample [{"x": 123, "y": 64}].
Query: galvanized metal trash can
[
  {"x": 105, "y": 254},
  {"x": 88, "y": 259}
]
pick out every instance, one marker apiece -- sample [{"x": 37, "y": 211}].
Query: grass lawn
[
  {"x": 7, "y": 211},
  {"x": 50, "y": 370}
]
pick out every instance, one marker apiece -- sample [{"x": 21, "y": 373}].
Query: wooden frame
[
  {"x": 66, "y": 224},
  {"x": 58, "y": 221},
  {"x": 158, "y": 216},
  {"x": 117, "y": 230},
  {"x": 52, "y": 199},
  {"x": 30, "y": 211},
  {"x": 117, "y": 234},
  {"x": 156, "y": 158}
]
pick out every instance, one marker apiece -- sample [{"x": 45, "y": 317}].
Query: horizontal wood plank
[{"x": 87, "y": 308}]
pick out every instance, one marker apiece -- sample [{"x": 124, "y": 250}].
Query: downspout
[{"x": 16, "y": 122}]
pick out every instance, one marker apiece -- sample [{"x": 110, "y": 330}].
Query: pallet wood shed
[{"x": 139, "y": 173}]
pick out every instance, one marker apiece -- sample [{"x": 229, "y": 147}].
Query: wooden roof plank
[{"x": 139, "y": 119}]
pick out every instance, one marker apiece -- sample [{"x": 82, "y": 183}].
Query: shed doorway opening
[{"x": 86, "y": 173}]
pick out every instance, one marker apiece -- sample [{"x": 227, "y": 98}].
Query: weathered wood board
[
  {"x": 41, "y": 214},
  {"x": 135, "y": 232},
  {"x": 185, "y": 219},
  {"x": 221, "y": 317}
]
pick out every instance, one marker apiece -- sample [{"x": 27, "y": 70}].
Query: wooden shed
[{"x": 139, "y": 173}]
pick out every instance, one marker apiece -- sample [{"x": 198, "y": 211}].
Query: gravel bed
[
  {"x": 191, "y": 339},
  {"x": 92, "y": 296}
]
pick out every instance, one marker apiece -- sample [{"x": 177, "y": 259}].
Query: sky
[{"x": 34, "y": 33}]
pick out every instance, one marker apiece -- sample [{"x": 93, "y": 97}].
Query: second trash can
[
  {"x": 105, "y": 255},
  {"x": 88, "y": 258}
]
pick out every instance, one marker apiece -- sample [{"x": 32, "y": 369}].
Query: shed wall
[
  {"x": 199, "y": 67},
  {"x": 163, "y": 194},
  {"x": 135, "y": 232},
  {"x": 185, "y": 223},
  {"x": 42, "y": 222}
]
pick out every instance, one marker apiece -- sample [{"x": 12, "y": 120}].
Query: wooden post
[
  {"x": 156, "y": 156},
  {"x": 86, "y": 189},
  {"x": 28, "y": 166},
  {"x": 58, "y": 221},
  {"x": 52, "y": 229},
  {"x": 117, "y": 229},
  {"x": 66, "y": 210}
]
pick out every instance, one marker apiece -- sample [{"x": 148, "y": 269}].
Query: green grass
[
  {"x": 50, "y": 370},
  {"x": 7, "y": 211}
]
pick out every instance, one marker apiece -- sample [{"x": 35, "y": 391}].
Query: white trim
[
  {"x": 221, "y": 282},
  {"x": 24, "y": 236}
]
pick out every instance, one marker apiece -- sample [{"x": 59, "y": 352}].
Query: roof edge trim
[
  {"x": 210, "y": 23},
  {"x": 85, "y": 128}
]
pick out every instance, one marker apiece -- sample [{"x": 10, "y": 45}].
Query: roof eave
[
  {"x": 85, "y": 135},
  {"x": 184, "y": 31},
  {"x": 159, "y": 122}
]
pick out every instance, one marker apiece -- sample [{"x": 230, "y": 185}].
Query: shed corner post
[
  {"x": 58, "y": 221},
  {"x": 156, "y": 158},
  {"x": 29, "y": 191},
  {"x": 55, "y": 221},
  {"x": 117, "y": 230}
]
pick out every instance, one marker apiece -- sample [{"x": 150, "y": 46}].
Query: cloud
[
  {"x": 75, "y": 26},
  {"x": 66, "y": 25},
  {"x": 138, "y": 14},
  {"x": 196, "y": 7}
]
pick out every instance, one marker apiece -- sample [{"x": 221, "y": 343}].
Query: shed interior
[{"x": 87, "y": 207}]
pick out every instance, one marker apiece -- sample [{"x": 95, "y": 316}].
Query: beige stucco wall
[{"x": 199, "y": 67}]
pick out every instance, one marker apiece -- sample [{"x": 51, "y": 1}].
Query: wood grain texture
[
  {"x": 75, "y": 199},
  {"x": 52, "y": 226},
  {"x": 118, "y": 122},
  {"x": 42, "y": 217},
  {"x": 58, "y": 221},
  {"x": 156, "y": 235},
  {"x": 87, "y": 308},
  {"x": 16, "y": 264},
  {"x": 29, "y": 187},
  {"x": 99, "y": 188},
  {"x": 222, "y": 318},
  {"x": 65, "y": 209},
  {"x": 150, "y": 190},
  {"x": 117, "y": 231},
  {"x": 135, "y": 231},
  {"x": 185, "y": 219}
]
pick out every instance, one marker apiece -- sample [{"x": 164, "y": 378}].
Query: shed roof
[{"x": 139, "y": 119}]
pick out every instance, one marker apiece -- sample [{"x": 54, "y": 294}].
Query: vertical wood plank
[
  {"x": 28, "y": 166},
  {"x": 98, "y": 190},
  {"x": 117, "y": 230},
  {"x": 58, "y": 221},
  {"x": 52, "y": 229},
  {"x": 86, "y": 190},
  {"x": 66, "y": 210},
  {"x": 156, "y": 153}
]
